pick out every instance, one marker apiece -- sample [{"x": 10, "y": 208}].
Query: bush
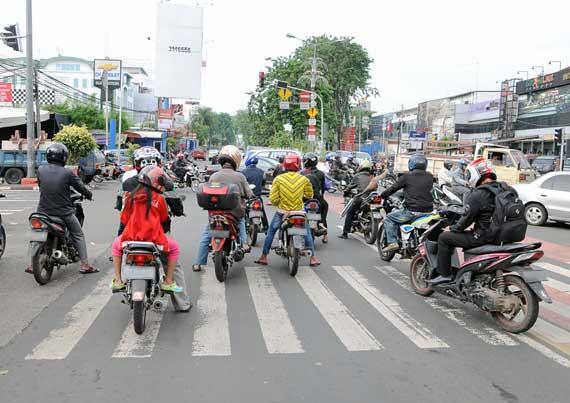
[
  {"x": 131, "y": 151},
  {"x": 78, "y": 141}
]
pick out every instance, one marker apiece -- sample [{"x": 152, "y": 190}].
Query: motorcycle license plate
[
  {"x": 375, "y": 207},
  {"x": 254, "y": 213},
  {"x": 313, "y": 224},
  {"x": 377, "y": 214},
  {"x": 219, "y": 234},
  {"x": 256, "y": 220},
  {"x": 314, "y": 216},
  {"x": 38, "y": 236},
  {"x": 297, "y": 231}
]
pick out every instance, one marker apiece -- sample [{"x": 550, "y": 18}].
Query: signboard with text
[
  {"x": 544, "y": 82},
  {"x": 113, "y": 70},
  {"x": 5, "y": 92}
]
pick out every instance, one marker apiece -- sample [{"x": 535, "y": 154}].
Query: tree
[
  {"x": 131, "y": 150},
  {"x": 224, "y": 129},
  {"x": 172, "y": 144},
  {"x": 78, "y": 141},
  {"x": 243, "y": 125},
  {"x": 203, "y": 123},
  {"x": 88, "y": 115}
]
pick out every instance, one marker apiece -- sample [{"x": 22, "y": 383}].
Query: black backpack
[{"x": 508, "y": 223}]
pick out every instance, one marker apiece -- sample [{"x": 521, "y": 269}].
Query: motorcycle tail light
[
  {"x": 36, "y": 223},
  {"x": 214, "y": 199},
  {"x": 529, "y": 257},
  {"x": 297, "y": 221},
  {"x": 377, "y": 200},
  {"x": 140, "y": 259},
  {"x": 312, "y": 206},
  {"x": 256, "y": 205}
]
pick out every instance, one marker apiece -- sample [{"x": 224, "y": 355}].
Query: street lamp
[
  {"x": 523, "y": 71},
  {"x": 541, "y": 69},
  {"x": 556, "y": 61}
]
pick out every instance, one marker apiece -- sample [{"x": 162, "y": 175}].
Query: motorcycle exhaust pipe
[
  {"x": 59, "y": 257},
  {"x": 158, "y": 305}
]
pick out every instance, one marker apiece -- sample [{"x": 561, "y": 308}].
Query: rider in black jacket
[
  {"x": 256, "y": 176},
  {"x": 480, "y": 207},
  {"x": 310, "y": 161},
  {"x": 360, "y": 181},
  {"x": 56, "y": 184},
  {"x": 417, "y": 185}
]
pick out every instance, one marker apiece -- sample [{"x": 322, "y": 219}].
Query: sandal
[
  {"x": 88, "y": 269},
  {"x": 196, "y": 267},
  {"x": 116, "y": 286},
  {"x": 172, "y": 287},
  {"x": 29, "y": 270},
  {"x": 261, "y": 262}
]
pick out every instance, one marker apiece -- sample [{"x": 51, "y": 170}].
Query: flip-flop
[
  {"x": 88, "y": 270},
  {"x": 29, "y": 270},
  {"x": 314, "y": 264},
  {"x": 260, "y": 262}
]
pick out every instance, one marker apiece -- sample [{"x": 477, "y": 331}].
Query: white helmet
[
  {"x": 147, "y": 156},
  {"x": 230, "y": 154},
  {"x": 364, "y": 164}
]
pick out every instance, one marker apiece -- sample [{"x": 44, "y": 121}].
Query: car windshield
[{"x": 520, "y": 159}]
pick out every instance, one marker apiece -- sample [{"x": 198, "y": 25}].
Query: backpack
[{"x": 508, "y": 223}]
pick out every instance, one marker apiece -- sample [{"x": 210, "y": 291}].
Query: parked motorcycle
[
  {"x": 292, "y": 239},
  {"x": 499, "y": 279},
  {"x": 51, "y": 245},
  {"x": 369, "y": 215},
  {"x": 254, "y": 219}
]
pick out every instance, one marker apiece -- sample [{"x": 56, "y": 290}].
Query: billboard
[
  {"x": 113, "y": 69},
  {"x": 5, "y": 92},
  {"x": 545, "y": 82},
  {"x": 179, "y": 51}
]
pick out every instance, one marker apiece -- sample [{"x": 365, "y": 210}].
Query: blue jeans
[
  {"x": 205, "y": 239},
  {"x": 274, "y": 227},
  {"x": 394, "y": 220}
]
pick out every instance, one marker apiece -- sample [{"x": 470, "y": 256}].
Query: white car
[{"x": 547, "y": 198}]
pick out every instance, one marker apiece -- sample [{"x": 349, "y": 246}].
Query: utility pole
[
  {"x": 29, "y": 92},
  {"x": 38, "y": 113},
  {"x": 400, "y": 131},
  {"x": 562, "y": 141},
  {"x": 106, "y": 110}
]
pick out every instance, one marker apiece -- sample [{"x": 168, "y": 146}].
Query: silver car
[{"x": 547, "y": 198}]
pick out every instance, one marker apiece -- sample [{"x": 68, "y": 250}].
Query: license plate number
[
  {"x": 375, "y": 206},
  {"x": 255, "y": 214},
  {"x": 38, "y": 236},
  {"x": 297, "y": 231},
  {"x": 377, "y": 214},
  {"x": 256, "y": 220},
  {"x": 313, "y": 216}
]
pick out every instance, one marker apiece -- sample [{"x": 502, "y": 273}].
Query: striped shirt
[{"x": 288, "y": 191}]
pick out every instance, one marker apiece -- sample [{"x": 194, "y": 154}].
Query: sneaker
[
  {"x": 391, "y": 247},
  {"x": 116, "y": 286},
  {"x": 440, "y": 280},
  {"x": 343, "y": 236},
  {"x": 173, "y": 287}
]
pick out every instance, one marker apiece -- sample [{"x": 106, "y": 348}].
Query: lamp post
[
  {"x": 29, "y": 92},
  {"x": 541, "y": 69},
  {"x": 556, "y": 61},
  {"x": 523, "y": 71}
]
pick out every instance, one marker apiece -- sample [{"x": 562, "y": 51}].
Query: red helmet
[
  {"x": 153, "y": 177},
  {"x": 479, "y": 169},
  {"x": 292, "y": 162}
]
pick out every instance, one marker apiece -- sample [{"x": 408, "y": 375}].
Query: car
[
  {"x": 546, "y": 198},
  {"x": 267, "y": 165},
  {"x": 198, "y": 154},
  {"x": 273, "y": 153},
  {"x": 358, "y": 156},
  {"x": 545, "y": 164}
]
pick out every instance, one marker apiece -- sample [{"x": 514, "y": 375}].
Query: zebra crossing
[{"x": 279, "y": 324}]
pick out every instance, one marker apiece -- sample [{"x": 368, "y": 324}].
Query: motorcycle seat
[
  {"x": 509, "y": 247},
  {"x": 57, "y": 220},
  {"x": 140, "y": 246}
]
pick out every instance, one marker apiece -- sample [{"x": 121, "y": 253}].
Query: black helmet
[
  {"x": 417, "y": 161},
  {"x": 310, "y": 160},
  {"x": 447, "y": 164},
  {"x": 57, "y": 153}
]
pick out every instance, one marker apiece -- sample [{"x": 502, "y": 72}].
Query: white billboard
[
  {"x": 113, "y": 69},
  {"x": 179, "y": 51}
]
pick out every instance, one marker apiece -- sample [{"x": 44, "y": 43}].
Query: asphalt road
[{"x": 347, "y": 331}]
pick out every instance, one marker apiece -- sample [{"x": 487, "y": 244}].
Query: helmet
[
  {"x": 350, "y": 157},
  {"x": 364, "y": 164},
  {"x": 231, "y": 155},
  {"x": 337, "y": 154},
  {"x": 310, "y": 160},
  {"x": 417, "y": 161},
  {"x": 147, "y": 156},
  {"x": 153, "y": 177},
  {"x": 447, "y": 164},
  {"x": 478, "y": 170},
  {"x": 57, "y": 152},
  {"x": 252, "y": 159},
  {"x": 292, "y": 162},
  {"x": 462, "y": 163}
]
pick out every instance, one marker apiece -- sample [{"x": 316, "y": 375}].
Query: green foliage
[
  {"x": 131, "y": 150},
  {"x": 78, "y": 141},
  {"x": 171, "y": 144},
  {"x": 214, "y": 129},
  {"x": 89, "y": 115}
]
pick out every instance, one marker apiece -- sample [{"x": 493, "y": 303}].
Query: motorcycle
[
  {"x": 498, "y": 279},
  {"x": 444, "y": 196},
  {"x": 2, "y": 237},
  {"x": 368, "y": 217},
  {"x": 253, "y": 219},
  {"x": 292, "y": 239},
  {"x": 313, "y": 210},
  {"x": 51, "y": 245}
]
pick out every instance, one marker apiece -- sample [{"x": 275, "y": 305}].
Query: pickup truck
[{"x": 510, "y": 165}]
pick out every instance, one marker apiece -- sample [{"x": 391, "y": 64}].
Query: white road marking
[
  {"x": 278, "y": 331},
  {"x": 18, "y": 200},
  {"x": 133, "y": 345},
  {"x": 553, "y": 332},
  {"x": 10, "y": 211},
  {"x": 59, "y": 343},
  {"x": 543, "y": 350},
  {"x": 353, "y": 334},
  {"x": 360, "y": 238},
  {"x": 553, "y": 268},
  {"x": 420, "y": 335},
  {"x": 457, "y": 315},
  {"x": 212, "y": 337},
  {"x": 558, "y": 285},
  {"x": 557, "y": 307}
]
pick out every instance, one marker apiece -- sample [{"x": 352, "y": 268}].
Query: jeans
[
  {"x": 205, "y": 239},
  {"x": 76, "y": 232},
  {"x": 394, "y": 220},
  {"x": 274, "y": 227}
]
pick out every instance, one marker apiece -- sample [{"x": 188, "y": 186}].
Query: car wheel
[{"x": 535, "y": 214}]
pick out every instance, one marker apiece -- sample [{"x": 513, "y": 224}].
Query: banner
[
  {"x": 5, "y": 92},
  {"x": 113, "y": 69},
  {"x": 179, "y": 51}
]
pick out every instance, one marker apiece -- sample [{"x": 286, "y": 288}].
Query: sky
[{"x": 422, "y": 49}]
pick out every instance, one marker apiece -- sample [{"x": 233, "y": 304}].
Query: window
[
  {"x": 562, "y": 183},
  {"x": 67, "y": 67},
  {"x": 549, "y": 183},
  {"x": 76, "y": 82},
  {"x": 84, "y": 83}
]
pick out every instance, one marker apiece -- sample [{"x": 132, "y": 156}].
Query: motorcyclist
[
  {"x": 479, "y": 210},
  {"x": 444, "y": 174},
  {"x": 360, "y": 181},
  {"x": 255, "y": 176},
  {"x": 338, "y": 170},
  {"x": 230, "y": 160},
  {"x": 317, "y": 178},
  {"x": 287, "y": 194},
  {"x": 459, "y": 184},
  {"x": 56, "y": 184},
  {"x": 418, "y": 199},
  {"x": 351, "y": 162},
  {"x": 279, "y": 168},
  {"x": 180, "y": 167},
  {"x": 144, "y": 211}
]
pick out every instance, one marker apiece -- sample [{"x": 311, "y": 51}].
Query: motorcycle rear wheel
[
  {"x": 381, "y": 243},
  {"x": 221, "y": 265},
  {"x": 293, "y": 255},
  {"x": 371, "y": 229},
  {"x": 195, "y": 185},
  {"x": 139, "y": 316},
  {"x": 252, "y": 234},
  {"x": 40, "y": 265},
  {"x": 419, "y": 273},
  {"x": 2, "y": 240},
  {"x": 529, "y": 309}
]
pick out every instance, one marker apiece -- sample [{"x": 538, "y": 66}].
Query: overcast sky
[{"x": 421, "y": 49}]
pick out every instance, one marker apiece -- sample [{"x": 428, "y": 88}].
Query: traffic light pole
[
  {"x": 29, "y": 92},
  {"x": 322, "y": 114},
  {"x": 562, "y": 141}
]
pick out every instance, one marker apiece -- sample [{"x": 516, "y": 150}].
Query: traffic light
[
  {"x": 262, "y": 79},
  {"x": 558, "y": 135},
  {"x": 10, "y": 37}
]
